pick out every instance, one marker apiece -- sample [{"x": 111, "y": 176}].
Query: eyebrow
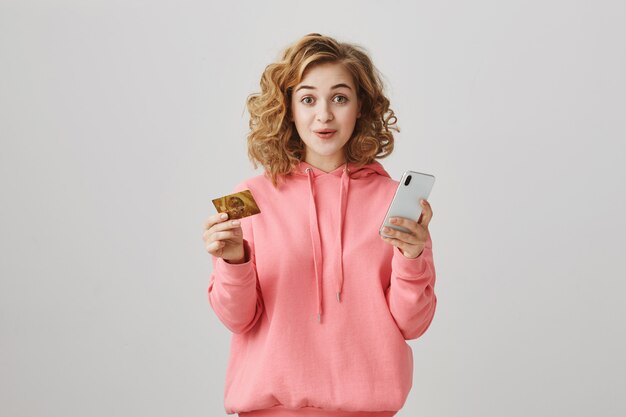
[{"x": 332, "y": 88}]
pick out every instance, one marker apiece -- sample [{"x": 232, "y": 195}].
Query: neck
[{"x": 326, "y": 166}]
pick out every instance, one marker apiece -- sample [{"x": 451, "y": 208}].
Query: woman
[{"x": 319, "y": 304}]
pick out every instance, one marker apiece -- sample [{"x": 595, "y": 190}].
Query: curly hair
[{"x": 273, "y": 140}]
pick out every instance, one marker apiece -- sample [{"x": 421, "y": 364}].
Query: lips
[{"x": 325, "y": 133}]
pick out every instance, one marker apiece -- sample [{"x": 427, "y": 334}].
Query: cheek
[
  {"x": 299, "y": 114},
  {"x": 296, "y": 116},
  {"x": 298, "y": 123},
  {"x": 350, "y": 116},
  {"x": 301, "y": 118}
]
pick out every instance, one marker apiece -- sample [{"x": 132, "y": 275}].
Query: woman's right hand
[{"x": 224, "y": 239}]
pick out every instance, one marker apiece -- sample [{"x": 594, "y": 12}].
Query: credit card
[{"x": 237, "y": 205}]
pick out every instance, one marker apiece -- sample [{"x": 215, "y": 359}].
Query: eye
[{"x": 342, "y": 99}]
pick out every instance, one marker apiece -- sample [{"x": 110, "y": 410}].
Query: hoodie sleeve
[
  {"x": 411, "y": 294},
  {"x": 234, "y": 291}
]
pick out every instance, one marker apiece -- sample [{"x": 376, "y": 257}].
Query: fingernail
[
  {"x": 223, "y": 216},
  {"x": 386, "y": 229},
  {"x": 235, "y": 222},
  {"x": 393, "y": 220}
]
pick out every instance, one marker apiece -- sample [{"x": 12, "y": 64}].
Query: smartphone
[{"x": 413, "y": 187}]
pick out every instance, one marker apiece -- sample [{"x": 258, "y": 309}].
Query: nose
[{"x": 324, "y": 114}]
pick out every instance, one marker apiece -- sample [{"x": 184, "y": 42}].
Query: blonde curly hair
[{"x": 273, "y": 140}]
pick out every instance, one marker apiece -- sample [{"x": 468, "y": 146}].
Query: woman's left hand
[{"x": 410, "y": 244}]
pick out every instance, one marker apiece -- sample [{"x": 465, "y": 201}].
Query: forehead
[{"x": 323, "y": 76}]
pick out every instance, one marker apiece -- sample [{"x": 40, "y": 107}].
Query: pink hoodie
[{"x": 321, "y": 309}]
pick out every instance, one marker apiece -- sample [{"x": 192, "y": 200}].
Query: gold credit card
[{"x": 237, "y": 205}]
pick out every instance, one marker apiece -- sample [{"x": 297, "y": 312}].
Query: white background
[{"x": 121, "y": 120}]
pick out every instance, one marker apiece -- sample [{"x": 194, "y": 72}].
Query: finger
[
  {"x": 390, "y": 240},
  {"x": 227, "y": 225},
  {"x": 396, "y": 242},
  {"x": 224, "y": 235},
  {"x": 427, "y": 213},
  {"x": 233, "y": 225},
  {"x": 215, "y": 219},
  {"x": 208, "y": 234},
  {"x": 406, "y": 248},
  {"x": 404, "y": 222},
  {"x": 403, "y": 236},
  {"x": 214, "y": 247}
]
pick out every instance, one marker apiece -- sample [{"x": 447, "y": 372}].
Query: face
[{"x": 325, "y": 100}]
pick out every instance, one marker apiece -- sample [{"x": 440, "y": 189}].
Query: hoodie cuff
[
  {"x": 406, "y": 268},
  {"x": 236, "y": 274}
]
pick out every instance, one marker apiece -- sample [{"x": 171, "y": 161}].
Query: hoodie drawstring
[
  {"x": 316, "y": 238},
  {"x": 343, "y": 203},
  {"x": 317, "y": 243}
]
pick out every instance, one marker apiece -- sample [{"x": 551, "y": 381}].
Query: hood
[
  {"x": 347, "y": 172},
  {"x": 355, "y": 172}
]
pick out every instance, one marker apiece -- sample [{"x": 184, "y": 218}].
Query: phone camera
[{"x": 408, "y": 180}]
